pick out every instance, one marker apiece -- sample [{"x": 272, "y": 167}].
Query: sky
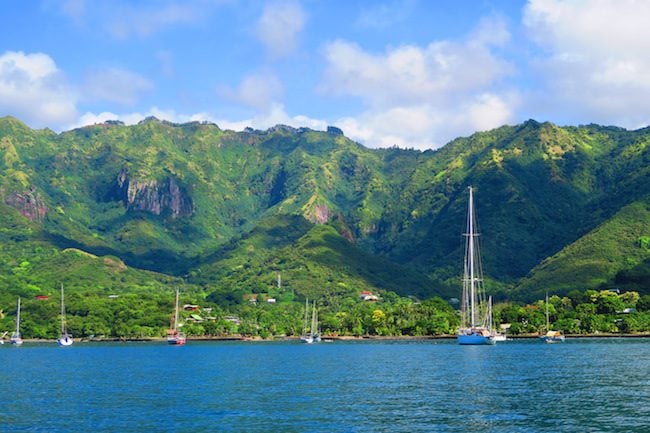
[{"x": 407, "y": 73}]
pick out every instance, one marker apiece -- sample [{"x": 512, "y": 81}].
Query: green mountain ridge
[
  {"x": 229, "y": 210},
  {"x": 595, "y": 259}
]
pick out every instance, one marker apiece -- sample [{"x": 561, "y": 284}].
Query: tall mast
[
  {"x": 472, "y": 270},
  {"x": 313, "y": 318},
  {"x": 547, "y": 321},
  {"x": 304, "y": 325},
  {"x": 18, "y": 319},
  {"x": 176, "y": 311},
  {"x": 62, "y": 312}
]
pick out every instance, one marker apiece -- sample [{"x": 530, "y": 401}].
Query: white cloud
[
  {"x": 115, "y": 85},
  {"x": 279, "y": 26},
  {"x": 426, "y": 126},
  {"x": 132, "y": 118},
  {"x": 488, "y": 110},
  {"x": 423, "y": 96},
  {"x": 94, "y": 118},
  {"x": 274, "y": 116},
  {"x": 277, "y": 115},
  {"x": 33, "y": 89},
  {"x": 258, "y": 91},
  {"x": 595, "y": 58}
]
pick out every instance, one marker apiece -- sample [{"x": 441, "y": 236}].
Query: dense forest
[
  {"x": 147, "y": 314},
  {"x": 122, "y": 215}
]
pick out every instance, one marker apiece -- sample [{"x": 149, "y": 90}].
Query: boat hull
[
  {"x": 65, "y": 341},
  {"x": 551, "y": 340},
  {"x": 16, "y": 339},
  {"x": 176, "y": 339},
  {"x": 552, "y": 337},
  {"x": 476, "y": 338}
]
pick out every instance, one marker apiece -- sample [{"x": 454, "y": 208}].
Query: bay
[{"x": 583, "y": 385}]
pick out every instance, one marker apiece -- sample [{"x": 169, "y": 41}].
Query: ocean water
[{"x": 583, "y": 385}]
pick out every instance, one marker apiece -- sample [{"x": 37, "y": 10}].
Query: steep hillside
[
  {"x": 228, "y": 210},
  {"x": 313, "y": 261},
  {"x": 595, "y": 259}
]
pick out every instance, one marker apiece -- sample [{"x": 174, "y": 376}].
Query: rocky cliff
[
  {"x": 30, "y": 204},
  {"x": 159, "y": 197}
]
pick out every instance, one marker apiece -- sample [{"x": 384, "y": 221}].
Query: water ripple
[{"x": 346, "y": 387}]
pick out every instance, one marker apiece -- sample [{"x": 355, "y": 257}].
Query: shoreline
[{"x": 328, "y": 338}]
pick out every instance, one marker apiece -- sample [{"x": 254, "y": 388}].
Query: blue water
[{"x": 582, "y": 385}]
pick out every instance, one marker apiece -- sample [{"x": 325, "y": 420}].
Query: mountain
[
  {"x": 601, "y": 256},
  {"x": 227, "y": 211}
]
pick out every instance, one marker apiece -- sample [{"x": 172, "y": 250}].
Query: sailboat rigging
[
  {"x": 476, "y": 312},
  {"x": 310, "y": 331},
  {"x": 551, "y": 336},
  {"x": 64, "y": 339},
  {"x": 174, "y": 336},
  {"x": 15, "y": 337}
]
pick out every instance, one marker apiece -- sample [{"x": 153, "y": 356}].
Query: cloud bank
[
  {"x": 33, "y": 89},
  {"x": 569, "y": 62},
  {"x": 421, "y": 96},
  {"x": 595, "y": 60}
]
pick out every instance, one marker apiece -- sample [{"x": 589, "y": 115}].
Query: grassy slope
[
  {"x": 596, "y": 258},
  {"x": 314, "y": 261}
]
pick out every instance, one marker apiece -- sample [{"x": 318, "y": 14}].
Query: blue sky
[{"x": 412, "y": 73}]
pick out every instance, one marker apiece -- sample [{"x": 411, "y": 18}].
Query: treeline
[
  {"x": 147, "y": 315},
  {"x": 588, "y": 312}
]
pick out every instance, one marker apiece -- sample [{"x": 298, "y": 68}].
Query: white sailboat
[
  {"x": 315, "y": 332},
  {"x": 476, "y": 315},
  {"x": 64, "y": 339},
  {"x": 310, "y": 333},
  {"x": 15, "y": 337},
  {"x": 306, "y": 336},
  {"x": 495, "y": 333},
  {"x": 174, "y": 336},
  {"x": 551, "y": 336}
]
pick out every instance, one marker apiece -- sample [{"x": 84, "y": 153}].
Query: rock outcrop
[
  {"x": 159, "y": 197},
  {"x": 30, "y": 204}
]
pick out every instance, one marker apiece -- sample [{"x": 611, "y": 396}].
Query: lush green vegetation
[
  {"x": 588, "y": 312},
  {"x": 608, "y": 256},
  {"x": 134, "y": 211},
  {"x": 146, "y": 314}
]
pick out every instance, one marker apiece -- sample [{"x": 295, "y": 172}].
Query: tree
[
  {"x": 629, "y": 299},
  {"x": 643, "y": 304},
  {"x": 577, "y": 297},
  {"x": 608, "y": 302}
]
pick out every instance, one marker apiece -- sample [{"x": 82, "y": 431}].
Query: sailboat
[
  {"x": 174, "y": 336},
  {"x": 15, "y": 337},
  {"x": 496, "y": 334},
  {"x": 476, "y": 311},
  {"x": 551, "y": 336},
  {"x": 310, "y": 333},
  {"x": 64, "y": 339},
  {"x": 306, "y": 337},
  {"x": 315, "y": 332}
]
